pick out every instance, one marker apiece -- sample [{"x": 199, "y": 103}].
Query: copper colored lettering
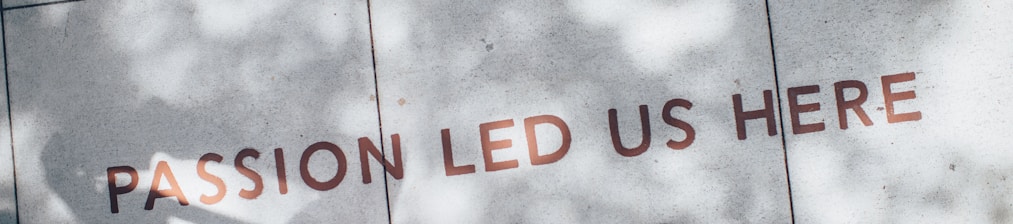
[
  {"x": 279, "y": 161},
  {"x": 795, "y": 109},
  {"x": 889, "y": 96},
  {"x": 304, "y": 170},
  {"x": 855, "y": 104},
  {"x": 666, "y": 114},
  {"x": 741, "y": 116},
  {"x": 448, "y": 157},
  {"x": 114, "y": 190},
  {"x": 162, "y": 169},
  {"x": 367, "y": 147},
  {"x": 645, "y": 127},
  {"x": 529, "y": 129},
  {"x": 210, "y": 178},
  {"x": 258, "y": 182},
  {"x": 488, "y": 145}
]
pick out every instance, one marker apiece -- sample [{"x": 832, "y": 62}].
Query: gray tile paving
[
  {"x": 8, "y": 203},
  {"x": 101, "y": 84},
  {"x": 16, "y": 3},
  {"x": 943, "y": 157},
  {"x": 488, "y": 72},
  {"x": 467, "y": 89}
]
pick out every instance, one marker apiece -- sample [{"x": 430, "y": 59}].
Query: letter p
[{"x": 114, "y": 190}]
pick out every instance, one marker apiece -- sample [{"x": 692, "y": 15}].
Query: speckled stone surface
[
  {"x": 23, "y": 3},
  {"x": 952, "y": 165},
  {"x": 456, "y": 66},
  {"x": 100, "y": 84},
  {"x": 8, "y": 204},
  {"x": 509, "y": 112}
]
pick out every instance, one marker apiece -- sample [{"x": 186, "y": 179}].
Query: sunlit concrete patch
[
  {"x": 656, "y": 34},
  {"x": 449, "y": 70},
  {"x": 948, "y": 165},
  {"x": 98, "y": 86}
]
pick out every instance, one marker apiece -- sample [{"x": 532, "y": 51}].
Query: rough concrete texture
[
  {"x": 8, "y": 204},
  {"x": 100, "y": 84},
  {"x": 23, "y": 3},
  {"x": 950, "y": 166},
  {"x": 468, "y": 89},
  {"x": 456, "y": 65}
]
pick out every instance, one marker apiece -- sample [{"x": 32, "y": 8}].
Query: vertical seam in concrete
[
  {"x": 780, "y": 113},
  {"x": 379, "y": 120},
  {"x": 10, "y": 121}
]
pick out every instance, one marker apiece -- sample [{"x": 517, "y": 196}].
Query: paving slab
[
  {"x": 8, "y": 202},
  {"x": 922, "y": 89},
  {"x": 24, "y": 3},
  {"x": 125, "y": 110},
  {"x": 501, "y": 112}
]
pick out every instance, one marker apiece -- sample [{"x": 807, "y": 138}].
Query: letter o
[{"x": 305, "y": 172}]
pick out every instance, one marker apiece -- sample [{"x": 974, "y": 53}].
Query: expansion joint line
[
  {"x": 10, "y": 121},
  {"x": 376, "y": 93},
  {"x": 38, "y": 4},
  {"x": 780, "y": 113}
]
